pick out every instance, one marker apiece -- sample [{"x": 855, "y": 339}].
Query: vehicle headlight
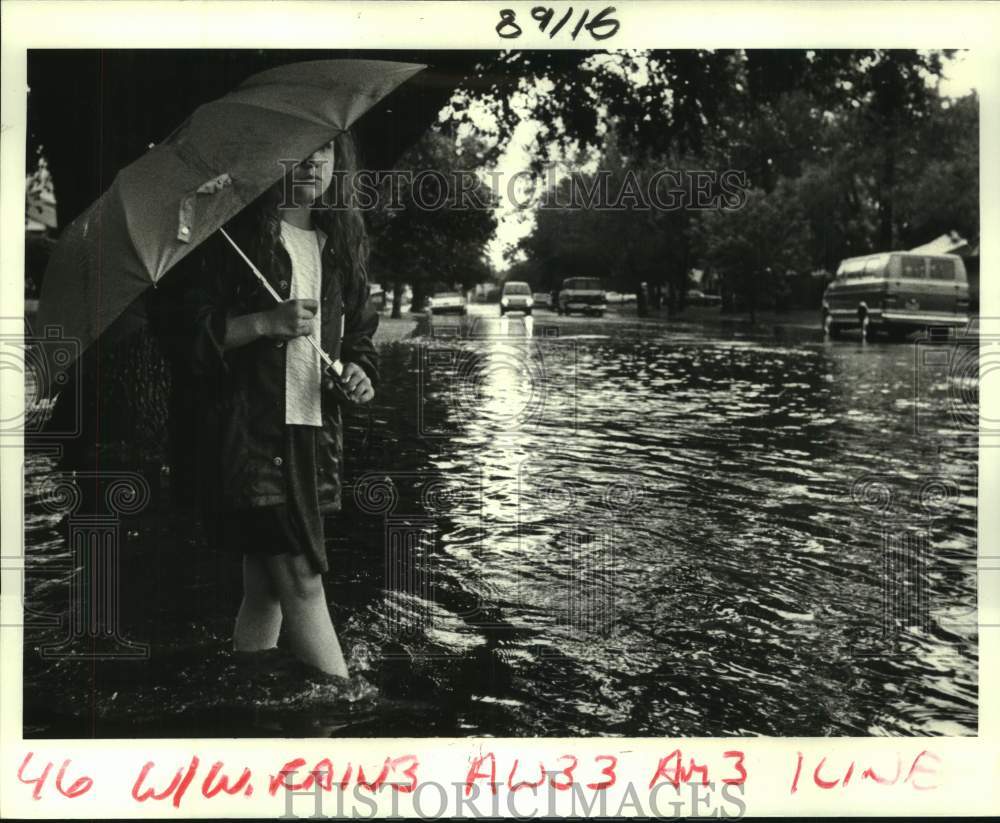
[
  {"x": 504, "y": 301},
  {"x": 531, "y": 301}
]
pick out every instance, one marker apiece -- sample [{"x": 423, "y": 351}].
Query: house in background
[
  {"x": 39, "y": 221},
  {"x": 953, "y": 243}
]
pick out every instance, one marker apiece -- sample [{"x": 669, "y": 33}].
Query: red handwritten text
[{"x": 920, "y": 774}]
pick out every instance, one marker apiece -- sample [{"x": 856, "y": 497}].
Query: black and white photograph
[{"x": 574, "y": 391}]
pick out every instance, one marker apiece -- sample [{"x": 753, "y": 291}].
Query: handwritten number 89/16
[{"x": 601, "y": 26}]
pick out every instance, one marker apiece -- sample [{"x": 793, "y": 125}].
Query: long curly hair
[{"x": 340, "y": 218}]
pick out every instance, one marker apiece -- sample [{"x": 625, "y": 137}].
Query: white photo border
[{"x": 966, "y": 770}]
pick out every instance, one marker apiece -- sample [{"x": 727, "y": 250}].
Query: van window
[
  {"x": 874, "y": 266},
  {"x": 942, "y": 268},
  {"x": 582, "y": 283},
  {"x": 851, "y": 268},
  {"x": 960, "y": 274},
  {"x": 912, "y": 266}
]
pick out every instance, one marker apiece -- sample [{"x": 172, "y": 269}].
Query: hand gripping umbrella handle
[{"x": 335, "y": 365}]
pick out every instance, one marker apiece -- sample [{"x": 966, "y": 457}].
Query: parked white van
[{"x": 896, "y": 293}]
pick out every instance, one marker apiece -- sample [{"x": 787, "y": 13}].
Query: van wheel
[{"x": 830, "y": 329}]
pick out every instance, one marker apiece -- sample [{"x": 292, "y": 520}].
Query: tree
[
  {"x": 657, "y": 100},
  {"x": 938, "y": 189},
  {"x": 596, "y": 225},
  {"x": 757, "y": 246},
  {"x": 859, "y": 141},
  {"x": 886, "y": 95},
  {"x": 437, "y": 235}
]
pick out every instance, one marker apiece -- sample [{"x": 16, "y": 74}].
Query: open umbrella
[{"x": 162, "y": 206}]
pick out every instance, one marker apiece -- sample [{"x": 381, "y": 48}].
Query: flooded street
[{"x": 612, "y": 526}]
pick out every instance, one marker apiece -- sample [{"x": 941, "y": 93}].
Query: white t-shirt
[{"x": 303, "y": 367}]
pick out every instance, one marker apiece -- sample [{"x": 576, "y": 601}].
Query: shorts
[{"x": 292, "y": 527}]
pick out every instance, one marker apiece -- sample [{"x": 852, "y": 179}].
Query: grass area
[
  {"x": 798, "y": 318},
  {"x": 390, "y": 330}
]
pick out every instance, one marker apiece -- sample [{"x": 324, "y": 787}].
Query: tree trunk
[
  {"x": 671, "y": 296},
  {"x": 641, "y": 308},
  {"x": 682, "y": 275},
  {"x": 397, "y": 300},
  {"x": 653, "y": 297},
  {"x": 886, "y": 186},
  {"x": 728, "y": 300},
  {"x": 419, "y": 296},
  {"x": 675, "y": 295}
]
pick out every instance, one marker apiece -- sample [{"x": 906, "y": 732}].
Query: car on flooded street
[
  {"x": 896, "y": 293},
  {"x": 516, "y": 297},
  {"x": 696, "y": 297},
  {"x": 447, "y": 302},
  {"x": 582, "y": 294}
]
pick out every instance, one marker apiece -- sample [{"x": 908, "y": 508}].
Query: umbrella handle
[{"x": 335, "y": 365}]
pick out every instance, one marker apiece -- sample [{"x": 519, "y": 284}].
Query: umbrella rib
[{"x": 330, "y": 364}]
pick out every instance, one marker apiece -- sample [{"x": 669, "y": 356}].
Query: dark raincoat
[{"x": 227, "y": 409}]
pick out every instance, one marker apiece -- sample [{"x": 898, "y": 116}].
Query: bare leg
[
  {"x": 259, "y": 619},
  {"x": 308, "y": 625}
]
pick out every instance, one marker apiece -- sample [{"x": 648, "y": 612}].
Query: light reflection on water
[{"x": 640, "y": 533}]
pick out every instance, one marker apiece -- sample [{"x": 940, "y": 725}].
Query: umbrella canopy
[{"x": 228, "y": 152}]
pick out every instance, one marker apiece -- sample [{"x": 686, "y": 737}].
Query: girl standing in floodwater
[{"x": 256, "y": 425}]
